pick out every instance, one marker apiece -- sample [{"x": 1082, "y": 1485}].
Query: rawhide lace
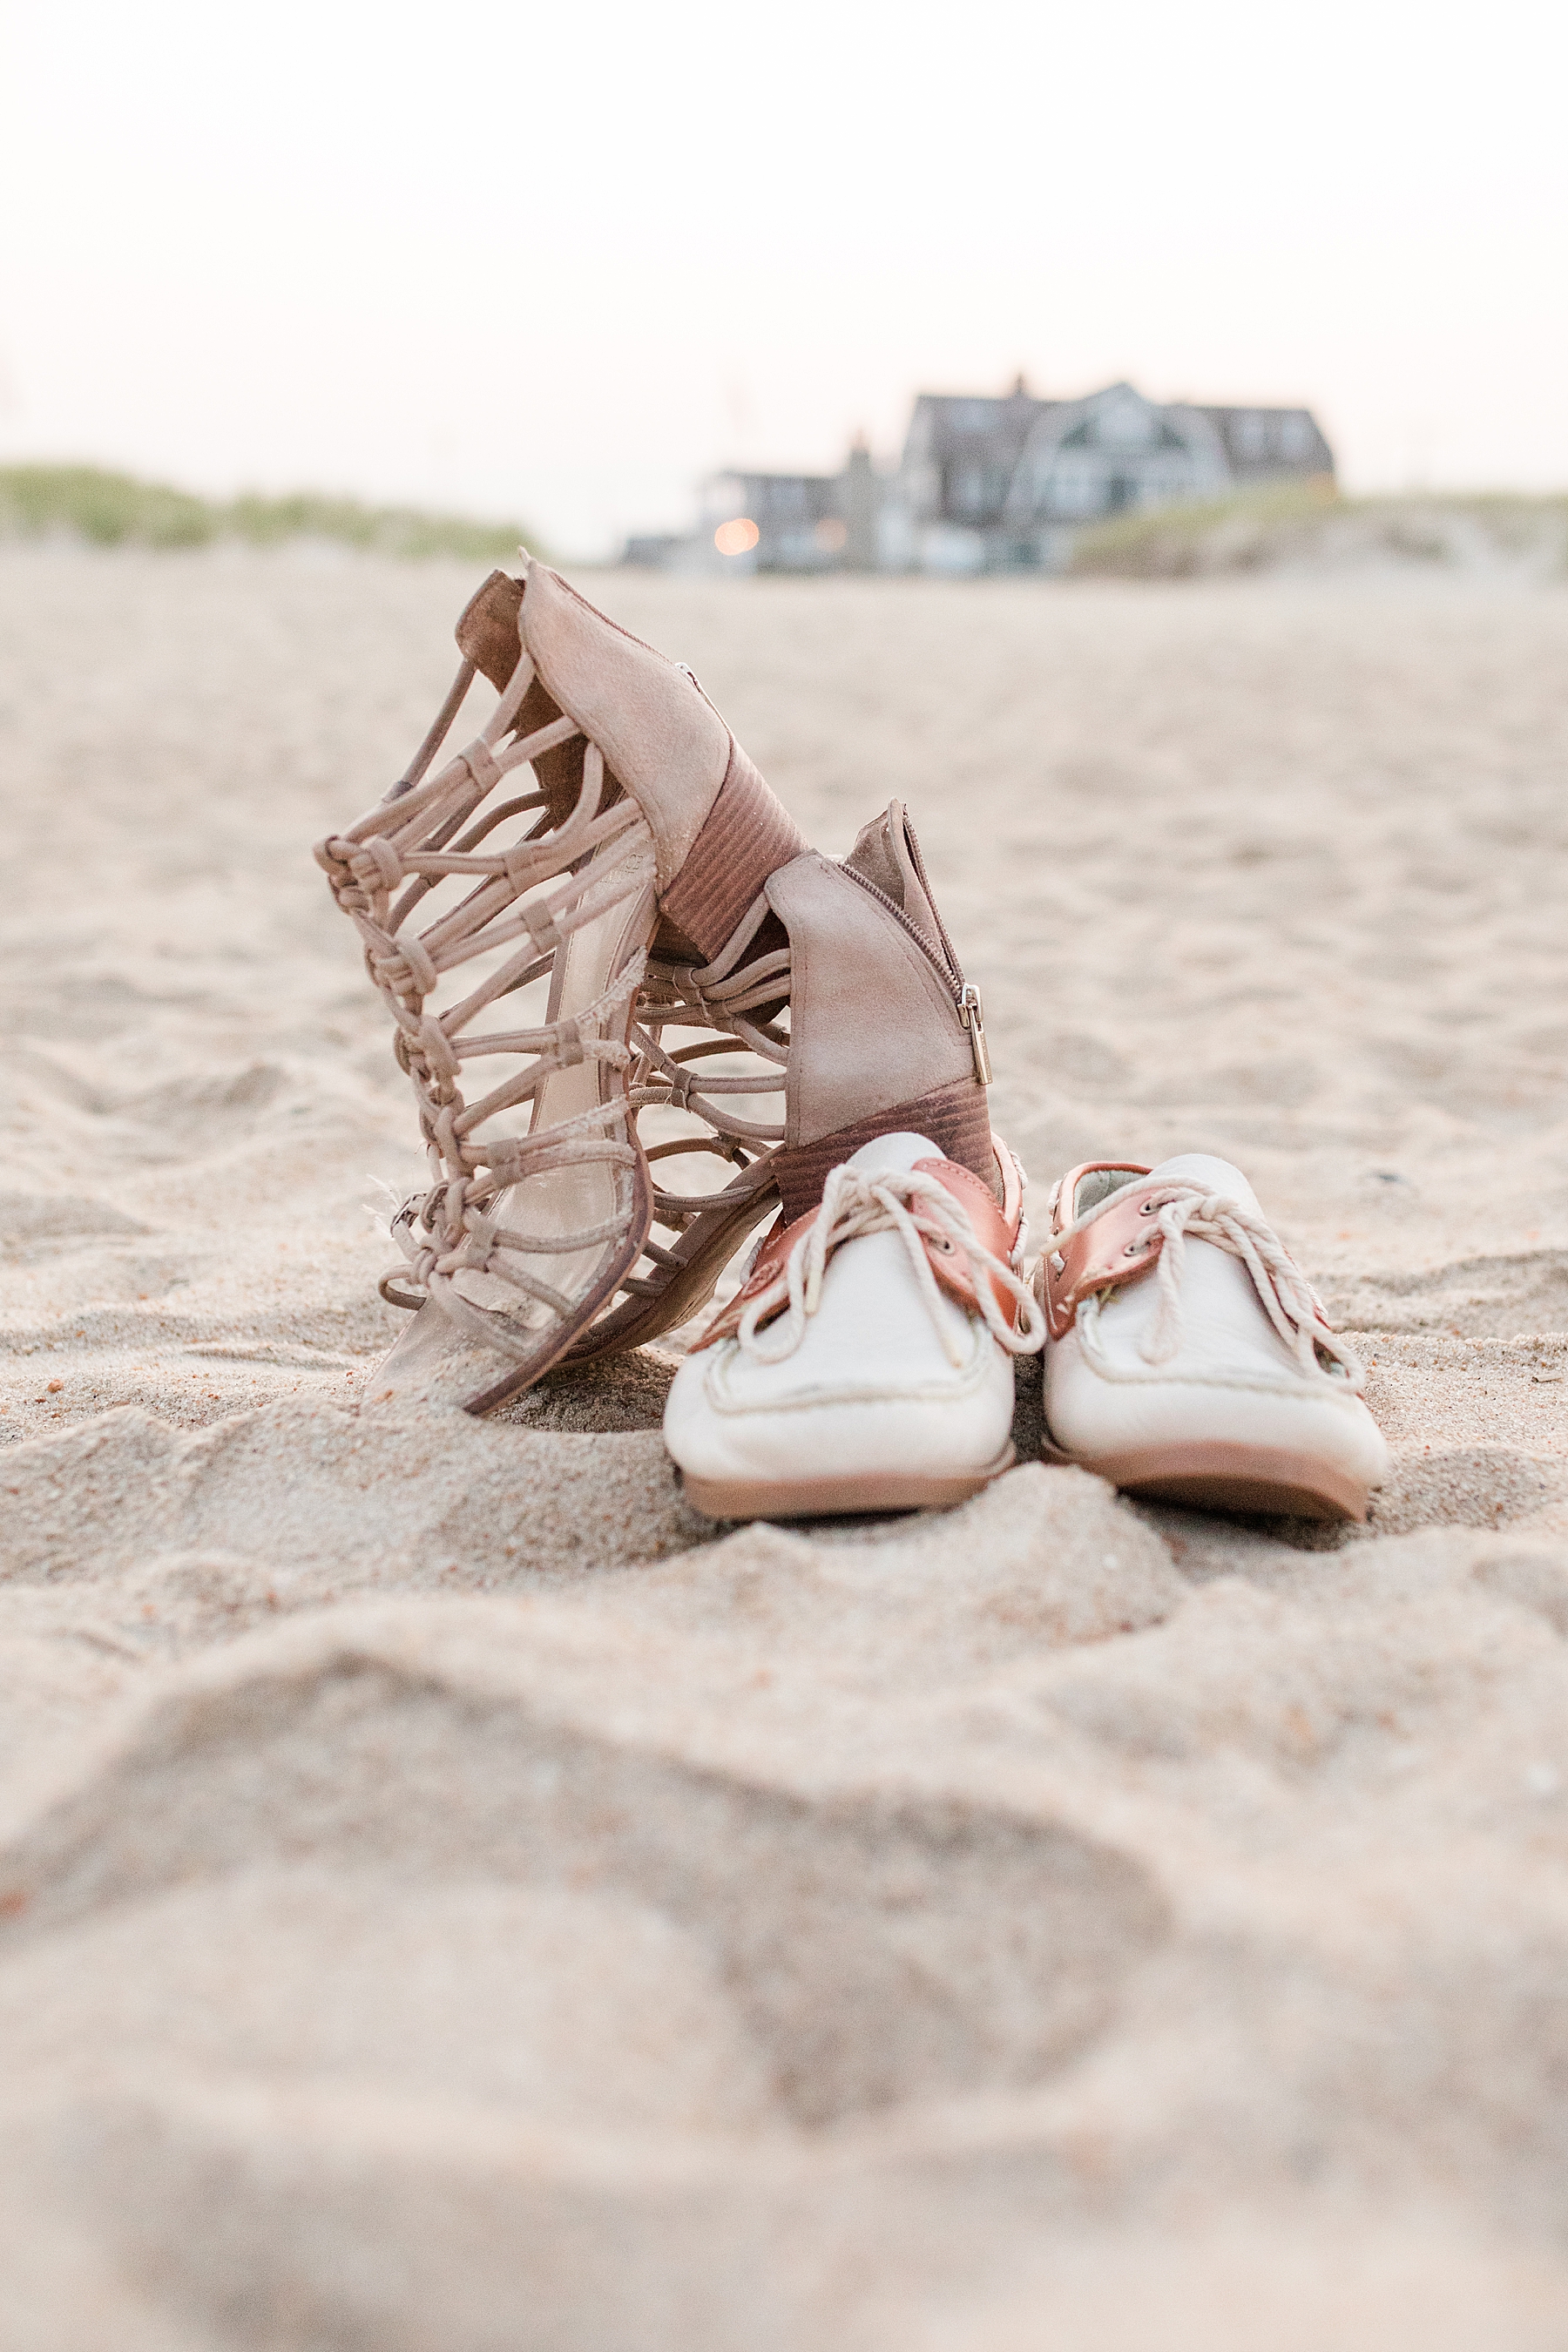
[
  {"x": 921, "y": 1210},
  {"x": 1191, "y": 1213}
]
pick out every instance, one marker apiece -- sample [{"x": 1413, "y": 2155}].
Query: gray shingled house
[{"x": 997, "y": 485}]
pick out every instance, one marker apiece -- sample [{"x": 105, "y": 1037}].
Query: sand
[{"x": 453, "y": 1896}]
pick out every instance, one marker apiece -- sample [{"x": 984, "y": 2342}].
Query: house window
[
  {"x": 1252, "y": 433},
  {"x": 1069, "y": 490},
  {"x": 969, "y": 490},
  {"x": 925, "y": 489},
  {"x": 1296, "y": 436}
]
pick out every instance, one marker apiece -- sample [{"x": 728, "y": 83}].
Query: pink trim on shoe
[
  {"x": 1107, "y": 1253},
  {"x": 995, "y": 1230}
]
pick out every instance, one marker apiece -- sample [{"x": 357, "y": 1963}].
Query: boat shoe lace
[
  {"x": 928, "y": 1218},
  {"x": 1179, "y": 1212}
]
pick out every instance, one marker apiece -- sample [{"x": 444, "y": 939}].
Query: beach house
[
  {"x": 987, "y": 485},
  {"x": 992, "y": 484}
]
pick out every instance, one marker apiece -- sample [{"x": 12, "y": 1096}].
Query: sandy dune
[{"x": 453, "y": 1898}]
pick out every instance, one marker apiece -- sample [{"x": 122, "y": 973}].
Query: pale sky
[{"x": 561, "y": 262}]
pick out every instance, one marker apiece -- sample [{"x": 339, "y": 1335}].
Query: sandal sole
[{"x": 714, "y": 1238}]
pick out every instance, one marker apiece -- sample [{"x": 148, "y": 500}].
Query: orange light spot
[{"x": 737, "y": 537}]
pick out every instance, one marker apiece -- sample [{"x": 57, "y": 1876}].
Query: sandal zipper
[
  {"x": 971, "y": 1012},
  {"x": 965, "y": 995},
  {"x": 919, "y": 865}
]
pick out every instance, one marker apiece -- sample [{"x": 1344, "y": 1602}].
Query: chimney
[{"x": 860, "y": 501}]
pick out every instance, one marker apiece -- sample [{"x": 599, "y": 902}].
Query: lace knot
[
  {"x": 1190, "y": 1212},
  {"x": 926, "y": 1216}
]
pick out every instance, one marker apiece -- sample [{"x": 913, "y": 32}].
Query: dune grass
[
  {"x": 1256, "y": 530},
  {"x": 1168, "y": 541},
  {"x": 104, "y": 509}
]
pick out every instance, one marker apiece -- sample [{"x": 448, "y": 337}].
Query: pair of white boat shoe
[{"x": 866, "y": 1361}]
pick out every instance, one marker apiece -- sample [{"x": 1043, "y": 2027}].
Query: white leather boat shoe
[
  {"x": 1189, "y": 1358},
  {"x": 867, "y": 1363}
]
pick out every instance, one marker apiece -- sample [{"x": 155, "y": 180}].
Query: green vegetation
[
  {"x": 105, "y": 509},
  {"x": 1310, "y": 523},
  {"x": 108, "y": 510},
  {"x": 1206, "y": 535}
]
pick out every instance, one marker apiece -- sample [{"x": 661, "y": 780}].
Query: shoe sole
[
  {"x": 1230, "y": 1477},
  {"x": 821, "y": 1498},
  {"x": 697, "y": 1260}
]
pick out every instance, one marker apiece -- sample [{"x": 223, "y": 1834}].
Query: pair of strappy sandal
[
  {"x": 650, "y": 888},
  {"x": 646, "y": 883}
]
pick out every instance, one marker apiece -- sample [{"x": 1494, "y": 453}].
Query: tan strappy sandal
[
  {"x": 885, "y": 1031},
  {"x": 729, "y": 1056},
  {"x": 838, "y": 990},
  {"x": 650, "y": 818}
]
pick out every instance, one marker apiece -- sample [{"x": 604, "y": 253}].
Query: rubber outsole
[
  {"x": 1222, "y": 1476},
  {"x": 843, "y": 1498}
]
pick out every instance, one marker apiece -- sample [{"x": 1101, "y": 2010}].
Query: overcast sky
[{"x": 560, "y": 262}]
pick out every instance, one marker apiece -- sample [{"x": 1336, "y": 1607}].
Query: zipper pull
[{"x": 971, "y": 1013}]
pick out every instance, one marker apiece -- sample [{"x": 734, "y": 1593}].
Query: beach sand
[{"x": 454, "y": 1898}]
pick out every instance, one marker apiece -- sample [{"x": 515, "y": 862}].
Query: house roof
[
  {"x": 1261, "y": 440},
  {"x": 957, "y": 423},
  {"x": 964, "y": 452}
]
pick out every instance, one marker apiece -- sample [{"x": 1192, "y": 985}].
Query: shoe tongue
[
  {"x": 893, "y": 1151},
  {"x": 1203, "y": 1168}
]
